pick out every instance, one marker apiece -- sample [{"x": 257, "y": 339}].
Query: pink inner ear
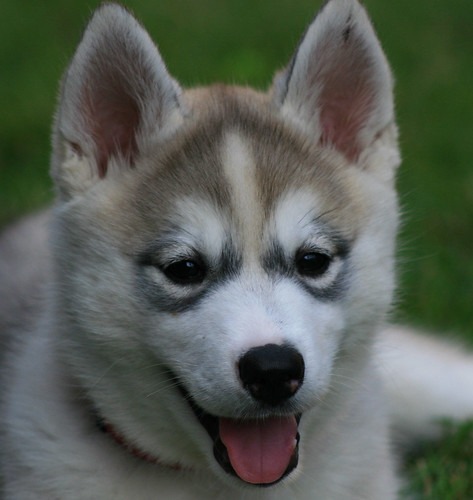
[
  {"x": 348, "y": 96},
  {"x": 342, "y": 118},
  {"x": 113, "y": 116}
]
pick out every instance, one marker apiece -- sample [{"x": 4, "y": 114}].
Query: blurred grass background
[{"x": 430, "y": 46}]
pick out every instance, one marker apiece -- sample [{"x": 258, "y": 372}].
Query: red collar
[{"x": 109, "y": 429}]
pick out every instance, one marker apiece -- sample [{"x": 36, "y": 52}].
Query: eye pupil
[
  {"x": 185, "y": 272},
  {"x": 312, "y": 264}
]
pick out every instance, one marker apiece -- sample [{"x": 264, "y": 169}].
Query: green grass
[
  {"x": 430, "y": 46},
  {"x": 444, "y": 470}
]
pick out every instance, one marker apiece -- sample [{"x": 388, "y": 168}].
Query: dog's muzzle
[{"x": 260, "y": 451}]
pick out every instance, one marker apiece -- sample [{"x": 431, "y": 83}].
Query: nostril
[{"x": 272, "y": 373}]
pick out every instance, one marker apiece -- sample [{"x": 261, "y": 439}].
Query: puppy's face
[{"x": 222, "y": 256}]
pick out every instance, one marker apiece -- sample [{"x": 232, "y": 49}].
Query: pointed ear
[
  {"x": 116, "y": 98},
  {"x": 338, "y": 85}
]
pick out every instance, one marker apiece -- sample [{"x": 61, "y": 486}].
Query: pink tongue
[{"x": 259, "y": 450}]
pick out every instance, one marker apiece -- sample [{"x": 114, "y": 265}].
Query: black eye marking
[
  {"x": 174, "y": 277},
  {"x": 312, "y": 264},
  {"x": 185, "y": 271}
]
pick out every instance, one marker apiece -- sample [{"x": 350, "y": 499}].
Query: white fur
[
  {"x": 116, "y": 321},
  {"x": 239, "y": 168},
  {"x": 426, "y": 380}
]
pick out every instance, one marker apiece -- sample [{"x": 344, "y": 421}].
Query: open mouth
[{"x": 259, "y": 452}]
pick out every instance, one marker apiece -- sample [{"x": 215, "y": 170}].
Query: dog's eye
[
  {"x": 312, "y": 264},
  {"x": 185, "y": 272}
]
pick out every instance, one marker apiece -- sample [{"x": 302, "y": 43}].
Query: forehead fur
[{"x": 234, "y": 141}]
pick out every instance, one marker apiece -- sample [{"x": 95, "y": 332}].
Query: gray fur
[
  {"x": 24, "y": 274},
  {"x": 115, "y": 352}
]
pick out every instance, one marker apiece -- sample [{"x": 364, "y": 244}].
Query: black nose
[{"x": 272, "y": 373}]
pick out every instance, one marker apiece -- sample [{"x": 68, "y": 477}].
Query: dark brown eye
[
  {"x": 312, "y": 264},
  {"x": 185, "y": 272}
]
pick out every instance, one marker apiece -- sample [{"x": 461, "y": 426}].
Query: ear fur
[
  {"x": 338, "y": 86},
  {"x": 116, "y": 98}
]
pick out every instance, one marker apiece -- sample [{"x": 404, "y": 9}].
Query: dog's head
[{"x": 223, "y": 252}]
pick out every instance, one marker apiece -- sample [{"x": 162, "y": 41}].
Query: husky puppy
[{"x": 205, "y": 318}]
